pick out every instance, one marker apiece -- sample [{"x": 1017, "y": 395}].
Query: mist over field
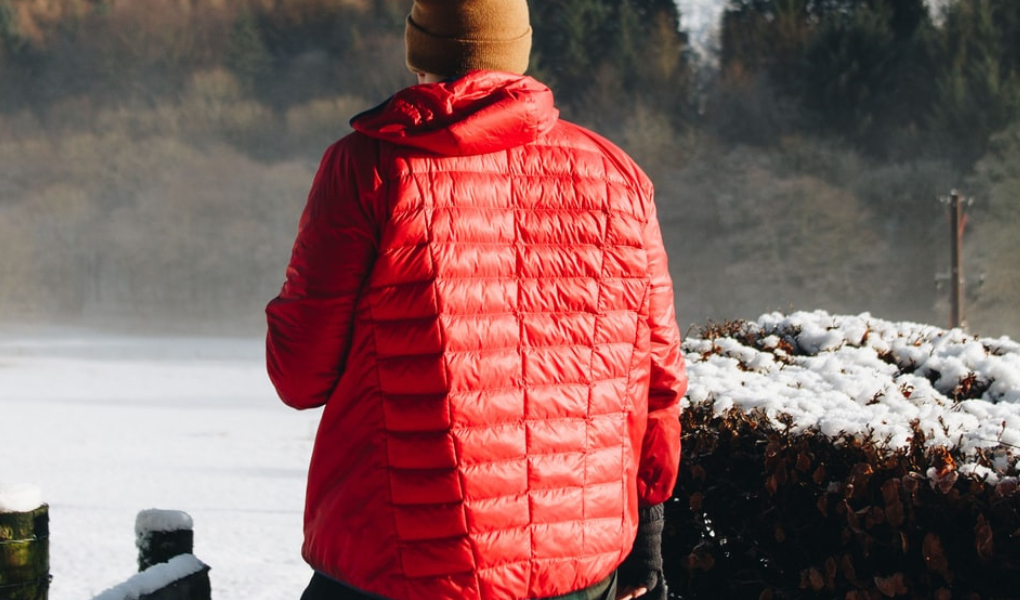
[{"x": 154, "y": 159}]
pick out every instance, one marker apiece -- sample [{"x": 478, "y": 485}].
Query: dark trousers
[{"x": 324, "y": 588}]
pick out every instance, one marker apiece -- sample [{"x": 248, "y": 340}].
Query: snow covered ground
[{"x": 110, "y": 425}]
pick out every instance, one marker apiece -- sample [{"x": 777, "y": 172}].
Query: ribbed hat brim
[{"x": 445, "y": 56}]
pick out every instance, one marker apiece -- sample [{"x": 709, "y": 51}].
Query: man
[{"x": 478, "y": 296}]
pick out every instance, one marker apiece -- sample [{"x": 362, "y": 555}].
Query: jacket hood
[{"x": 479, "y": 113}]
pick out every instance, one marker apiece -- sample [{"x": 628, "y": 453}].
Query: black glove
[{"x": 643, "y": 567}]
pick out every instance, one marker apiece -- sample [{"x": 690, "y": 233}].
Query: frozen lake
[{"x": 108, "y": 425}]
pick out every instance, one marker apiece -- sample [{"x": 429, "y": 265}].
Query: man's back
[
  {"x": 478, "y": 295},
  {"x": 495, "y": 391}
]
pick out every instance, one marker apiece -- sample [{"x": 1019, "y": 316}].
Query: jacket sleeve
[
  {"x": 660, "y": 451},
  {"x": 310, "y": 322}
]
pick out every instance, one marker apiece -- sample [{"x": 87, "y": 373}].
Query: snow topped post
[
  {"x": 167, "y": 570},
  {"x": 161, "y": 535},
  {"x": 24, "y": 543},
  {"x": 183, "y": 577}
]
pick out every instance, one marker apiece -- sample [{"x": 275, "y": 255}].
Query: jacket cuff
[
  {"x": 643, "y": 566},
  {"x": 650, "y": 514}
]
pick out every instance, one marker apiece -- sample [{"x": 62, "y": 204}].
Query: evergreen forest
[{"x": 155, "y": 156}]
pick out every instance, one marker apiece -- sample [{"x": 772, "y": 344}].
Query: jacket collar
[{"x": 479, "y": 113}]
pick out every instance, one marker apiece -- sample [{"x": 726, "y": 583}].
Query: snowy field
[{"x": 108, "y": 426}]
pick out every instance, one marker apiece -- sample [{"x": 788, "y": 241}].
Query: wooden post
[
  {"x": 167, "y": 569},
  {"x": 25, "y": 554},
  {"x": 165, "y": 535},
  {"x": 956, "y": 225},
  {"x": 161, "y": 535}
]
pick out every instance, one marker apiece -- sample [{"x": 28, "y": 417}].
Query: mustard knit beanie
[{"x": 452, "y": 37}]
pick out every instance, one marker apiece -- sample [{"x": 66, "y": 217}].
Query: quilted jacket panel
[{"x": 478, "y": 296}]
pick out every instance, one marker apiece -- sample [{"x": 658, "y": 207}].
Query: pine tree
[
  {"x": 766, "y": 37},
  {"x": 584, "y": 47},
  {"x": 1006, "y": 16},
  {"x": 13, "y": 56},
  {"x": 861, "y": 69},
  {"x": 978, "y": 92},
  {"x": 568, "y": 43},
  {"x": 11, "y": 41},
  {"x": 869, "y": 69},
  {"x": 247, "y": 57}
]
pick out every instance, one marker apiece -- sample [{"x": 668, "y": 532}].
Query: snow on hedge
[{"x": 863, "y": 376}]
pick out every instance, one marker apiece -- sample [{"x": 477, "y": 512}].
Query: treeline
[
  {"x": 887, "y": 76},
  {"x": 154, "y": 155},
  {"x": 106, "y": 53}
]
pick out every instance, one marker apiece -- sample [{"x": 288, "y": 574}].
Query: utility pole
[{"x": 957, "y": 222}]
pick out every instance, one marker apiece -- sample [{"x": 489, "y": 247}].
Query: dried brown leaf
[
  {"x": 780, "y": 473},
  {"x": 893, "y": 504},
  {"x": 830, "y": 572},
  {"x": 846, "y": 566},
  {"x": 851, "y": 518},
  {"x": 698, "y": 473},
  {"x": 892, "y": 585},
  {"x": 942, "y": 460},
  {"x": 945, "y": 481},
  {"x": 814, "y": 579},
  {"x": 1006, "y": 488},
  {"x": 983, "y": 538},
  {"x": 772, "y": 453},
  {"x": 700, "y": 558},
  {"x": 912, "y": 483},
  {"x": 891, "y": 491},
  {"x": 862, "y": 471},
  {"x": 858, "y": 480},
  {"x": 866, "y": 541},
  {"x": 873, "y": 516},
  {"x": 935, "y": 556}
]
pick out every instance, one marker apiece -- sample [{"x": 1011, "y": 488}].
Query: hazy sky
[{"x": 699, "y": 17}]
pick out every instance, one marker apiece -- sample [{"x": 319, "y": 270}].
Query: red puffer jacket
[{"x": 478, "y": 294}]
